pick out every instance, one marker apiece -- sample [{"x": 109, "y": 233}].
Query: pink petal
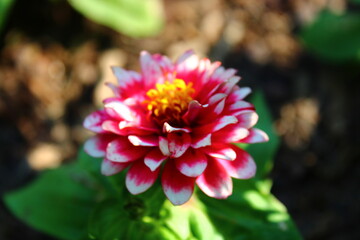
[
  {"x": 255, "y": 136},
  {"x": 113, "y": 126},
  {"x": 114, "y": 88},
  {"x": 167, "y": 128},
  {"x": 154, "y": 159},
  {"x": 221, "y": 151},
  {"x": 193, "y": 111},
  {"x": 178, "y": 143},
  {"x": 151, "y": 70},
  {"x": 131, "y": 128},
  {"x": 216, "y": 105},
  {"x": 140, "y": 178},
  {"x": 216, "y": 125},
  {"x": 201, "y": 141},
  {"x": 187, "y": 62},
  {"x": 239, "y": 94},
  {"x": 123, "y": 77},
  {"x": 164, "y": 62},
  {"x": 177, "y": 187},
  {"x": 247, "y": 119},
  {"x": 192, "y": 163},
  {"x": 225, "y": 77},
  {"x": 243, "y": 167},
  {"x": 109, "y": 168},
  {"x": 215, "y": 181},
  {"x": 228, "y": 86},
  {"x": 94, "y": 121},
  {"x": 216, "y": 98},
  {"x": 185, "y": 56},
  {"x": 121, "y": 150},
  {"x": 146, "y": 141},
  {"x": 164, "y": 146},
  {"x": 230, "y": 134},
  {"x": 96, "y": 145},
  {"x": 239, "y": 106},
  {"x": 117, "y": 109}
]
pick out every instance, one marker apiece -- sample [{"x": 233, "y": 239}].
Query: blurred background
[{"x": 55, "y": 56}]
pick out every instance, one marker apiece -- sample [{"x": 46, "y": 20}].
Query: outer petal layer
[
  {"x": 109, "y": 168},
  {"x": 192, "y": 163},
  {"x": 177, "y": 187},
  {"x": 255, "y": 136},
  {"x": 215, "y": 181},
  {"x": 140, "y": 178},
  {"x": 243, "y": 167},
  {"x": 154, "y": 158},
  {"x": 96, "y": 145},
  {"x": 120, "y": 150}
]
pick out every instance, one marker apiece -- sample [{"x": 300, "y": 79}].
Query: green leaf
[
  {"x": 114, "y": 219},
  {"x": 251, "y": 213},
  {"x": 108, "y": 221},
  {"x": 334, "y": 37},
  {"x": 136, "y": 18},
  {"x": 58, "y": 202},
  {"x": 5, "y": 6}
]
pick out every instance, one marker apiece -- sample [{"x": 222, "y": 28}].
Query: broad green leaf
[
  {"x": 197, "y": 224},
  {"x": 251, "y": 213},
  {"x": 334, "y": 37},
  {"x": 136, "y": 18},
  {"x": 5, "y": 6},
  {"x": 108, "y": 221},
  {"x": 58, "y": 202},
  {"x": 114, "y": 219}
]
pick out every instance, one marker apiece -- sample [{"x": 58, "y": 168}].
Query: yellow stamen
[{"x": 168, "y": 101}]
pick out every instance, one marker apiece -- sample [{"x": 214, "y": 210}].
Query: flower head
[{"x": 176, "y": 120}]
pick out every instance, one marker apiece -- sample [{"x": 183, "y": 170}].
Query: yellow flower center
[{"x": 169, "y": 101}]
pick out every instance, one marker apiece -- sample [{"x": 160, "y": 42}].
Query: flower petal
[
  {"x": 113, "y": 126},
  {"x": 118, "y": 110},
  {"x": 167, "y": 128},
  {"x": 151, "y": 70},
  {"x": 239, "y": 106},
  {"x": 193, "y": 111},
  {"x": 140, "y": 178},
  {"x": 178, "y": 143},
  {"x": 247, "y": 119},
  {"x": 187, "y": 62},
  {"x": 243, "y": 167},
  {"x": 185, "y": 56},
  {"x": 177, "y": 187},
  {"x": 94, "y": 121},
  {"x": 123, "y": 76},
  {"x": 216, "y": 125},
  {"x": 215, "y": 181},
  {"x": 201, "y": 141},
  {"x": 221, "y": 151},
  {"x": 154, "y": 159},
  {"x": 228, "y": 86},
  {"x": 109, "y": 168},
  {"x": 255, "y": 136},
  {"x": 192, "y": 163},
  {"x": 96, "y": 145},
  {"x": 146, "y": 141},
  {"x": 239, "y": 94},
  {"x": 230, "y": 134},
  {"x": 121, "y": 150},
  {"x": 164, "y": 146}
]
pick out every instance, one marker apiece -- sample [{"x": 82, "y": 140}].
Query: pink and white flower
[{"x": 178, "y": 120}]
